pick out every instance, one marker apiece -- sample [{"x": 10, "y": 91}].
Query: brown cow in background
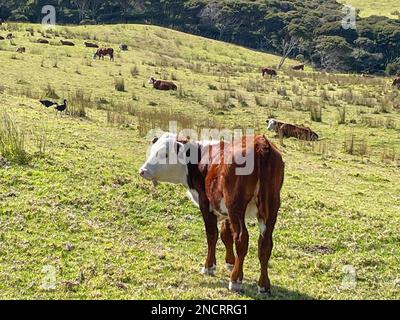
[
  {"x": 286, "y": 130},
  {"x": 162, "y": 85},
  {"x": 67, "y": 43},
  {"x": 90, "y": 45},
  {"x": 102, "y": 52},
  {"x": 269, "y": 71},
  {"x": 299, "y": 67}
]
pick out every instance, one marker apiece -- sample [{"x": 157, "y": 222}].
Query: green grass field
[
  {"x": 370, "y": 7},
  {"x": 74, "y": 209}
]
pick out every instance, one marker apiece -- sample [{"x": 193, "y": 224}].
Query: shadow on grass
[{"x": 251, "y": 291}]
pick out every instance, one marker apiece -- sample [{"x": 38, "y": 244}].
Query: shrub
[
  {"x": 120, "y": 84},
  {"x": 342, "y": 115},
  {"x": 77, "y": 104},
  {"x": 393, "y": 68},
  {"x": 316, "y": 113},
  {"x": 12, "y": 141},
  {"x": 51, "y": 92},
  {"x": 135, "y": 71}
]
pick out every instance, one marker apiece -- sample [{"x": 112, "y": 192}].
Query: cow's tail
[{"x": 271, "y": 174}]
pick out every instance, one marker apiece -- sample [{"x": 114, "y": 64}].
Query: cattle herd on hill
[{"x": 283, "y": 130}]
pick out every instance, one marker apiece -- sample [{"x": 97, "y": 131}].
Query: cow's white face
[
  {"x": 162, "y": 164},
  {"x": 152, "y": 80},
  {"x": 272, "y": 125}
]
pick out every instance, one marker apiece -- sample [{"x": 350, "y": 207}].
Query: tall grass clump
[
  {"x": 354, "y": 146},
  {"x": 50, "y": 92},
  {"x": 135, "y": 71},
  {"x": 12, "y": 140},
  {"x": 342, "y": 115},
  {"x": 77, "y": 104},
  {"x": 120, "y": 84},
  {"x": 316, "y": 113}
]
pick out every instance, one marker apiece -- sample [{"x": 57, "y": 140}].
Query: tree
[
  {"x": 94, "y": 7},
  {"x": 335, "y": 52},
  {"x": 215, "y": 15},
  {"x": 81, "y": 5},
  {"x": 288, "y": 45},
  {"x": 295, "y": 36}
]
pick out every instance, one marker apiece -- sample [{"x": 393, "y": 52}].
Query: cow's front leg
[{"x": 210, "y": 221}]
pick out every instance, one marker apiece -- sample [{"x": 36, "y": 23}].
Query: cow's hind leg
[
  {"x": 241, "y": 238},
  {"x": 210, "y": 221},
  {"x": 227, "y": 239},
  {"x": 265, "y": 244}
]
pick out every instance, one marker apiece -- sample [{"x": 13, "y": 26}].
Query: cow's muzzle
[{"x": 145, "y": 175}]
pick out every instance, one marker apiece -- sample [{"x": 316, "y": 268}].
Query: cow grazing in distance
[
  {"x": 21, "y": 50},
  {"x": 396, "y": 83},
  {"x": 224, "y": 193},
  {"x": 90, "y": 45},
  {"x": 67, "y": 43},
  {"x": 123, "y": 47},
  {"x": 2, "y": 38},
  {"x": 162, "y": 85},
  {"x": 287, "y": 130},
  {"x": 269, "y": 71},
  {"x": 299, "y": 67},
  {"x": 9, "y": 36},
  {"x": 43, "y": 41},
  {"x": 102, "y": 52}
]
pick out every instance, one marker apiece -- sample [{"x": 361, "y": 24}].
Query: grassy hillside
[
  {"x": 370, "y": 7},
  {"x": 75, "y": 205}
]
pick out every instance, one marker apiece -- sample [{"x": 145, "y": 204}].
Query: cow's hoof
[
  {"x": 229, "y": 267},
  {"x": 209, "y": 271},
  {"x": 235, "y": 286},
  {"x": 264, "y": 291}
]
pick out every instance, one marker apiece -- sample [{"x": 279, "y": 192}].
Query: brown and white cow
[
  {"x": 299, "y": 67},
  {"x": 90, "y": 45},
  {"x": 21, "y": 50},
  {"x": 287, "y": 130},
  {"x": 102, "y": 52},
  {"x": 396, "y": 83},
  {"x": 43, "y": 41},
  {"x": 162, "y": 85},
  {"x": 269, "y": 71},
  {"x": 67, "y": 43},
  {"x": 220, "y": 186}
]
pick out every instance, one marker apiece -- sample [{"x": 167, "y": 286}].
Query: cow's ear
[{"x": 154, "y": 140}]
